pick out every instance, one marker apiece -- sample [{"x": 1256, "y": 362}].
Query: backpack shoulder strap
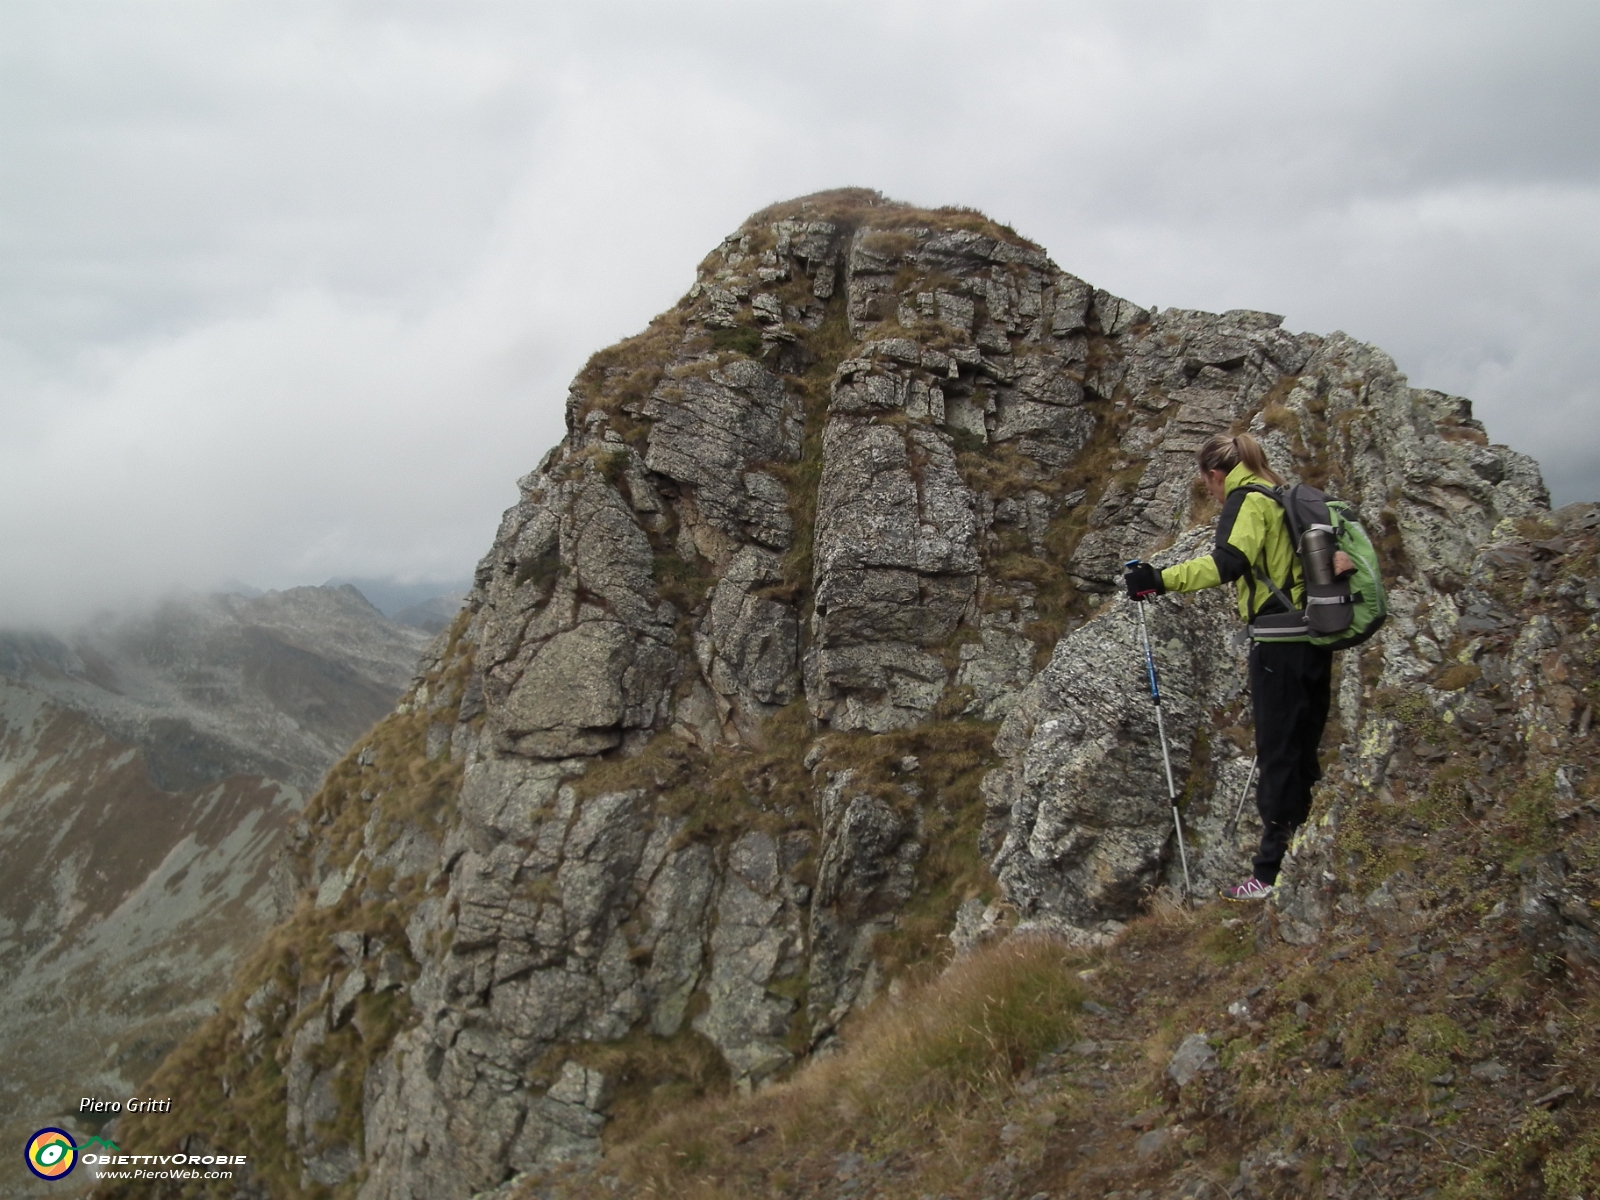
[
  {"x": 1288, "y": 604},
  {"x": 1277, "y": 591}
]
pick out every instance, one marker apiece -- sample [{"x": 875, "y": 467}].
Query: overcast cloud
[{"x": 290, "y": 291}]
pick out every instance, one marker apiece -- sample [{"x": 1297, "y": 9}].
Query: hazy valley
[{"x": 150, "y": 766}]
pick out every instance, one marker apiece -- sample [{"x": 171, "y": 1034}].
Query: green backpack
[{"x": 1340, "y": 614}]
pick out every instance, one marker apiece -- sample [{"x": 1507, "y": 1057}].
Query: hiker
[{"x": 1289, "y": 680}]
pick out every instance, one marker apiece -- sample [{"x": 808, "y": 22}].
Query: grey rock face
[
  {"x": 866, "y": 872},
  {"x": 564, "y": 1126},
  {"x": 1553, "y": 918},
  {"x": 578, "y": 918},
  {"x": 757, "y": 939},
  {"x": 896, "y": 569},
  {"x": 594, "y": 660},
  {"x": 1079, "y": 819},
  {"x": 712, "y": 434},
  {"x": 312, "y": 1107},
  {"x": 975, "y": 924},
  {"x": 997, "y": 666},
  {"x": 676, "y": 905},
  {"x": 749, "y": 649}
]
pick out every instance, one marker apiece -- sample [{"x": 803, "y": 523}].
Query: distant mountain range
[
  {"x": 150, "y": 764},
  {"x": 429, "y": 606}
]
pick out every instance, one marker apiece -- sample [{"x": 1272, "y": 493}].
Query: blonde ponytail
[{"x": 1226, "y": 451}]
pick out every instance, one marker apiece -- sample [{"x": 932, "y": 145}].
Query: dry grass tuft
[
  {"x": 930, "y": 1065},
  {"x": 863, "y": 206}
]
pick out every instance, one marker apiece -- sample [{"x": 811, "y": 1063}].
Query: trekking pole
[
  {"x": 1232, "y": 827},
  {"x": 1166, "y": 758}
]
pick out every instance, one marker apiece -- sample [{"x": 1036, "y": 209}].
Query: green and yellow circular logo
[{"x": 52, "y": 1154}]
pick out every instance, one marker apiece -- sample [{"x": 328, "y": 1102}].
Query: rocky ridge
[
  {"x": 1414, "y": 1015},
  {"x": 697, "y": 771}
]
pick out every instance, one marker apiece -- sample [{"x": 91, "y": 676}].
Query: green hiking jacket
[{"x": 1250, "y": 530}]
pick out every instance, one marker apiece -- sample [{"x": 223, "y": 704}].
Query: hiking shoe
[{"x": 1250, "y": 889}]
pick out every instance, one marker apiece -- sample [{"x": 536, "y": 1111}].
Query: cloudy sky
[{"x": 293, "y": 290}]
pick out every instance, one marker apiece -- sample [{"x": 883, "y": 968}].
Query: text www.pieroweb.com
[{"x": 161, "y": 1166}]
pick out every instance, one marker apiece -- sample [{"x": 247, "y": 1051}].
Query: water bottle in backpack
[{"x": 1340, "y": 611}]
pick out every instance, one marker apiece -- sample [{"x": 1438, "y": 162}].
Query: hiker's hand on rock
[{"x": 1343, "y": 564}]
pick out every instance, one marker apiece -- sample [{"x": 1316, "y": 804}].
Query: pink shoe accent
[{"x": 1250, "y": 889}]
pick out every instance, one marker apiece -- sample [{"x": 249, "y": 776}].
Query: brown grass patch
[{"x": 932, "y": 1064}]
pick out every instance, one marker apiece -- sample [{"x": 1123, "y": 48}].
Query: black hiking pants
[{"x": 1290, "y": 687}]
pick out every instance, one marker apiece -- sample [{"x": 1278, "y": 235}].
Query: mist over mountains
[
  {"x": 271, "y": 269},
  {"x": 426, "y": 606}
]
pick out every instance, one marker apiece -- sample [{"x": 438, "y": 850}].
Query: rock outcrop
[
  {"x": 1078, "y": 824},
  {"x": 698, "y": 767}
]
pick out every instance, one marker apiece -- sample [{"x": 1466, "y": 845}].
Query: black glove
[{"x": 1143, "y": 581}]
